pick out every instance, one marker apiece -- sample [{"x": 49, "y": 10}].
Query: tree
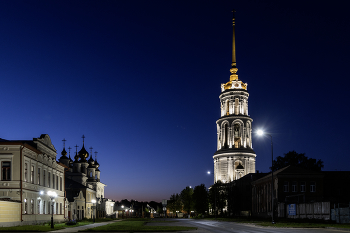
[
  {"x": 200, "y": 199},
  {"x": 187, "y": 200},
  {"x": 174, "y": 203},
  {"x": 218, "y": 196},
  {"x": 296, "y": 159}
]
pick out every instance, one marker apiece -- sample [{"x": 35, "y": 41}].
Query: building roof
[{"x": 290, "y": 170}]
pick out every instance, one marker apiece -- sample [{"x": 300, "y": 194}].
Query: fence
[
  {"x": 316, "y": 210},
  {"x": 341, "y": 215}
]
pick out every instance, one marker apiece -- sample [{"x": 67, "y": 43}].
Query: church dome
[
  {"x": 83, "y": 154},
  {"x": 64, "y": 154}
]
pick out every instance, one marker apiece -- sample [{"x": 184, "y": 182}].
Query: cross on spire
[
  {"x": 96, "y": 155},
  {"x": 69, "y": 150},
  {"x": 91, "y": 150},
  {"x": 64, "y": 142},
  {"x": 83, "y": 138},
  {"x": 76, "y": 149}
]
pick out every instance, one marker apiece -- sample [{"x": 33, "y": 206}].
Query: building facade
[
  {"x": 29, "y": 171},
  {"x": 84, "y": 189},
  {"x": 234, "y": 157}
]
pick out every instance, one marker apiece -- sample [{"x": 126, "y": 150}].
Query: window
[
  {"x": 312, "y": 187},
  {"x": 25, "y": 206},
  {"x": 44, "y": 181},
  {"x": 38, "y": 211},
  {"x": 44, "y": 207},
  {"x": 302, "y": 186},
  {"x": 294, "y": 186},
  {"x": 39, "y": 176},
  {"x": 48, "y": 207},
  {"x": 57, "y": 182},
  {"x": 285, "y": 186},
  {"x": 6, "y": 170},
  {"x": 56, "y": 208},
  {"x": 32, "y": 175},
  {"x": 25, "y": 172},
  {"x": 60, "y": 208},
  {"x": 48, "y": 179},
  {"x": 32, "y": 206},
  {"x": 61, "y": 183},
  {"x": 53, "y": 181}
]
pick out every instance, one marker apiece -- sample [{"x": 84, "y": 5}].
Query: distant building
[
  {"x": 295, "y": 185},
  {"x": 29, "y": 170},
  {"x": 234, "y": 157},
  {"x": 83, "y": 186}
]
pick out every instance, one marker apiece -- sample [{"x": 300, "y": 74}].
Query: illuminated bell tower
[{"x": 234, "y": 157}]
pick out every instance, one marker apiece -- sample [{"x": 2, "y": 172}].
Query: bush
[{"x": 71, "y": 222}]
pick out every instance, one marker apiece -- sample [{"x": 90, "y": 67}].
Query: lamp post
[
  {"x": 93, "y": 209},
  {"x": 214, "y": 196},
  {"x": 52, "y": 195},
  {"x": 260, "y": 133}
]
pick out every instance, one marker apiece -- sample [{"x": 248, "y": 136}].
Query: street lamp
[
  {"x": 214, "y": 196},
  {"x": 93, "y": 209},
  {"x": 52, "y": 195},
  {"x": 260, "y": 133}
]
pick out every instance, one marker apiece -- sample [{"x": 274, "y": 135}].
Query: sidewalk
[{"x": 76, "y": 229}]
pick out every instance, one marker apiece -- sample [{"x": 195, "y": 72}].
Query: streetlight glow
[{"x": 260, "y": 132}]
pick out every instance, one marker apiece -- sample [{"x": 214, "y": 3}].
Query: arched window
[
  {"x": 237, "y": 135},
  {"x": 226, "y": 136},
  {"x": 227, "y": 107}
]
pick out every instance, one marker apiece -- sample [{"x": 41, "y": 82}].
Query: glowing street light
[
  {"x": 93, "y": 208},
  {"x": 215, "y": 197},
  {"x": 52, "y": 195},
  {"x": 261, "y": 133}
]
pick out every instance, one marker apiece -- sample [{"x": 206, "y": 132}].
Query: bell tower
[{"x": 234, "y": 157}]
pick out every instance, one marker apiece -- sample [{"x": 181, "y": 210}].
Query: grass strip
[
  {"x": 299, "y": 223},
  {"x": 42, "y": 228},
  {"x": 138, "y": 226}
]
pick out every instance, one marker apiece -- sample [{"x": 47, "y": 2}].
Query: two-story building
[{"x": 29, "y": 172}]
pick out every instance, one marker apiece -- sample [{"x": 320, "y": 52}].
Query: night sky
[{"x": 141, "y": 80}]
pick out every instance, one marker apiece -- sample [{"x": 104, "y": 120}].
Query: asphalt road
[{"x": 205, "y": 226}]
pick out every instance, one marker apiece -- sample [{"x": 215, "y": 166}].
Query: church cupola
[
  {"x": 83, "y": 154},
  {"x": 234, "y": 156},
  {"x": 76, "y": 163},
  {"x": 64, "y": 159}
]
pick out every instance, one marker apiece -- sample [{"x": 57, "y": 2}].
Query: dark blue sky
[{"x": 141, "y": 80}]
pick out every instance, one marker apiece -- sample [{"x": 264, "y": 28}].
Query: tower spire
[
  {"x": 233, "y": 69},
  {"x": 233, "y": 65}
]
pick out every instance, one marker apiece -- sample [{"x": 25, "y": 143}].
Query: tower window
[{"x": 237, "y": 138}]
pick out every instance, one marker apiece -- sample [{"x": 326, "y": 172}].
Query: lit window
[
  {"x": 6, "y": 170},
  {"x": 312, "y": 187},
  {"x": 302, "y": 186},
  {"x": 39, "y": 201},
  {"x": 25, "y": 206},
  {"x": 39, "y": 176},
  {"x": 32, "y": 175},
  {"x": 32, "y": 206}
]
